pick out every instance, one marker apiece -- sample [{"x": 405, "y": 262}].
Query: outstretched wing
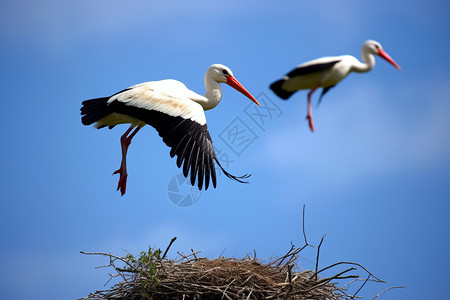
[{"x": 179, "y": 121}]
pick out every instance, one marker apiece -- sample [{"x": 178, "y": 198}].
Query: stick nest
[{"x": 152, "y": 276}]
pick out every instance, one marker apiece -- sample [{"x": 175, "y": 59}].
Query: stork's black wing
[
  {"x": 277, "y": 86},
  {"x": 189, "y": 140},
  {"x": 312, "y": 68}
]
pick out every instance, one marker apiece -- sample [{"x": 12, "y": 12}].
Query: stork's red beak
[
  {"x": 231, "y": 81},
  {"x": 386, "y": 56}
]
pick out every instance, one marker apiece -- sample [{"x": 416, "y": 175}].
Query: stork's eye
[
  {"x": 225, "y": 72},
  {"x": 376, "y": 46}
]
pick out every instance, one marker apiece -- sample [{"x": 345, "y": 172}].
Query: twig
[
  {"x": 392, "y": 287},
  {"x": 221, "y": 253},
  {"x": 338, "y": 276},
  {"x": 351, "y": 263},
  {"x": 226, "y": 288},
  {"x": 193, "y": 253},
  {"x": 183, "y": 256},
  {"x": 317, "y": 258},
  {"x": 364, "y": 283},
  {"x": 246, "y": 280},
  {"x": 249, "y": 294},
  {"x": 341, "y": 290},
  {"x": 110, "y": 258},
  {"x": 281, "y": 259},
  {"x": 357, "y": 279},
  {"x": 170, "y": 244},
  {"x": 303, "y": 227},
  {"x": 290, "y": 274}
]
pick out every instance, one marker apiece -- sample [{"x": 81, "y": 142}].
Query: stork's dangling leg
[
  {"x": 125, "y": 142},
  {"x": 309, "y": 115}
]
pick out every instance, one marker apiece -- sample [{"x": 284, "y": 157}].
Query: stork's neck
[
  {"x": 213, "y": 93},
  {"x": 367, "y": 64}
]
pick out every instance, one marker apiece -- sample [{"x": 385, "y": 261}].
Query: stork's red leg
[
  {"x": 309, "y": 115},
  {"x": 125, "y": 142}
]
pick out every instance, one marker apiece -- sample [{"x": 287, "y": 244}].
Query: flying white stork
[
  {"x": 176, "y": 112},
  {"x": 326, "y": 72}
]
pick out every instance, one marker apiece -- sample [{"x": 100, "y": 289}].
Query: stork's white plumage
[
  {"x": 176, "y": 112},
  {"x": 326, "y": 72}
]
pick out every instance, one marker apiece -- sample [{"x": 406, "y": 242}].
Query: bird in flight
[
  {"x": 326, "y": 72},
  {"x": 176, "y": 112}
]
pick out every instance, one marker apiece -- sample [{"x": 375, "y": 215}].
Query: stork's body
[
  {"x": 326, "y": 72},
  {"x": 176, "y": 112}
]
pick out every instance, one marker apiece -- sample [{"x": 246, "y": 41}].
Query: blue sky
[{"x": 374, "y": 176}]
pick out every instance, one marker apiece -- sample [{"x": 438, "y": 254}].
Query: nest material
[
  {"x": 152, "y": 276},
  {"x": 193, "y": 277},
  {"x": 220, "y": 278}
]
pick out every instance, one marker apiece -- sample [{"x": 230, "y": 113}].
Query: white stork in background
[
  {"x": 326, "y": 72},
  {"x": 176, "y": 112}
]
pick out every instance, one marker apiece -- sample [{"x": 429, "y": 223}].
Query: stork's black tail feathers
[
  {"x": 236, "y": 178},
  {"x": 279, "y": 91},
  {"x": 94, "y": 110}
]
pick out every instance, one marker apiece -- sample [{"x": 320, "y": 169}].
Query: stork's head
[
  {"x": 375, "y": 48},
  {"x": 223, "y": 74},
  {"x": 219, "y": 73}
]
